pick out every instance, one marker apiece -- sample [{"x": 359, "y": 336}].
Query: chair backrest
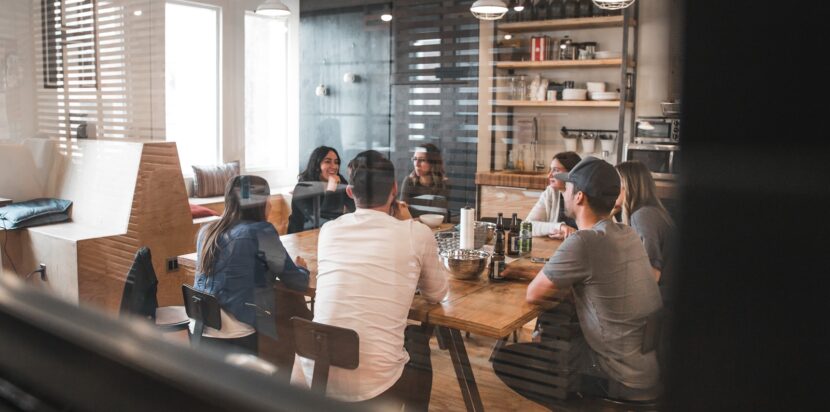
[
  {"x": 328, "y": 346},
  {"x": 201, "y": 307},
  {"x": 141, "y": 286}
]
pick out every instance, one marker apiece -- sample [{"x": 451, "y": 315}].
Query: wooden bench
[
  {"x": 280, "y": 207},
  {"x": 125, "y": 195}
]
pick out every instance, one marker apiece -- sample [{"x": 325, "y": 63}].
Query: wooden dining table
[{"x": 480, "y": 306}]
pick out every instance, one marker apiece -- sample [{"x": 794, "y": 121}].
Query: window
[
  {"x": 192, "y": 82},
  {"x": 266, "y": 94}
]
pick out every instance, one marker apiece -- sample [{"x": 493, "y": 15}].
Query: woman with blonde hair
[{"x": 643, "y": 211}]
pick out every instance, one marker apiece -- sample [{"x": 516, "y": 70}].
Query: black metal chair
[
  {"x": 327, "y": 346},
  {"x": 204, "y": 309},
  {"x": 139, "y": 296}
]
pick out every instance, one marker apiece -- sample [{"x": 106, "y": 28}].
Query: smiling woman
[{"x": 320, "y": 193}]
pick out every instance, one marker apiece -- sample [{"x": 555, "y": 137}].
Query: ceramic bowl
[
  {"x": 574, "y": 94},
  {"x": 432, "y": 220},
  {"x": 594, "y": 87}
]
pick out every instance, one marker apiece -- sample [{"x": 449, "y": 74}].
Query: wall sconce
[
  {"x": 321, "y": 90},
  {"x": 351, "y": 78}
]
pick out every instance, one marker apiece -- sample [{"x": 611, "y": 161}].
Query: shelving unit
[
  {"x": 626, "y": 65},
  {"x": 561, "y": 103}
]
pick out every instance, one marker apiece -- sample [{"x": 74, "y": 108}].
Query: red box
[{"x": 540, "y": 48}]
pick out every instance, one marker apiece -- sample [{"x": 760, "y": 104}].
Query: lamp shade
[
  {"x": 488, "y": 9},
  {"x": 613, "y": 4},
  {"x": 273, "y": 8}
]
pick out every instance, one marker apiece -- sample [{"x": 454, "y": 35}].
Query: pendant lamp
[
  {"x": 488, "y": 9},
  {"x": 273, "y": 8}
]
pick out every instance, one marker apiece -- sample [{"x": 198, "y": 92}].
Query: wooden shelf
[
  {"x": 554, "y": 64},
  {"x": 559, "y": 103},
  {"x": 562, "y": 24}
]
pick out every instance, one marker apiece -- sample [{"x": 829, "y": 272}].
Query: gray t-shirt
[
  {"x": 657, "y": 234},
  {"x": 614, "y": 291}
]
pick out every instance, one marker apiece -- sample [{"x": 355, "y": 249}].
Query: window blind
[
  {"x": 435, "y": 74},
  {"x": 101, "y": 65}
]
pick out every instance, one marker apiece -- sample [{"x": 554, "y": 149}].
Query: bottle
[
  {"x": 571, "y": 9},
  {"x": 527, "y": 12},
  {"x": 584, "y": 8},
  {"x": 512, "y": 238},
  {"x": 499, "y": 224},
  {"x": 526, "y": 237},
  {"x": 596, "y": 11},
  {"x": 554, "y": 10},
  {"x": 497, "y": 263},
  {"x": 539, "y": 12}
]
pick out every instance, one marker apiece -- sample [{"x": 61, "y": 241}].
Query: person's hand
[
  {"x": 334, "y": 180},
  {"x": 400, "y": 210},
  {"x": 299, "y": 261},
  {"x": 562, "y": 232}
]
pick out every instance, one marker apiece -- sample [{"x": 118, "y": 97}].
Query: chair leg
[
  {"x": 467, "y": 335},
  {"x": 499, "y": 344},
  {"x": 516, "y": 336}
]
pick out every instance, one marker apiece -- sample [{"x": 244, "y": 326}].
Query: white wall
[{"x": 17, "y": 70}]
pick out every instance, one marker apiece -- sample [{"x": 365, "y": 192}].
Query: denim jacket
[{"x": 251, "y": 257}]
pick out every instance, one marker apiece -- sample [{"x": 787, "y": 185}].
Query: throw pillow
[
  {"x": 34, "y": 212},
  {"x": 210, "y": 181},
  {"x": 197, "y": 211}
]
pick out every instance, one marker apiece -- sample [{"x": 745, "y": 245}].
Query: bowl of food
[
  {"x": 464, "y": 263},
  {"x": 431, "y": 220}
]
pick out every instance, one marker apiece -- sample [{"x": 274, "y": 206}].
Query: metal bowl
[{"x": 464, "y": 263}]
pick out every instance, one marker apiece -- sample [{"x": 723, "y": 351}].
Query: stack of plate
[
  {"x": 607, "y": 55},
  {"x": 574, "y": 94},
  {"x": 604, "y": 95}
]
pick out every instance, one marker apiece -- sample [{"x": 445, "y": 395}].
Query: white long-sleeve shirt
[
  {"x": 369, "y": 265},
  {"x": 545, "y": 213}
]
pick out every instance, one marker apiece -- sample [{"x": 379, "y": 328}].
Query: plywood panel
[{"x": 507, "y": 200}]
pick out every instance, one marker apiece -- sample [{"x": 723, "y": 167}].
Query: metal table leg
[{"x": 463, "y": 371}]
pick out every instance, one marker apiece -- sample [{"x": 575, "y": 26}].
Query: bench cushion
[
  {"x": 211, "y": 180},
  {"x": 197, "y": 211},
  {"x": 34, "y": 212}
]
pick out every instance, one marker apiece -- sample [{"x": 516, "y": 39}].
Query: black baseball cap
[{"x": 596, "y": 177}]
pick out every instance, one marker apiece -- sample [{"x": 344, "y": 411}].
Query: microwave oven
[
  {"x": 657, "y": 130},
  {"x": 662, "y": 160}
]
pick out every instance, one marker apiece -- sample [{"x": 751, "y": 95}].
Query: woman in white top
[{"x": 548, "y": 215}]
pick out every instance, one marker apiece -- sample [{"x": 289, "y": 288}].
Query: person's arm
[
  {"x": 279, "y": 262},
  {"x": 433, "y": 280},
  {"x": 541, "y": 289},
  {"x": 538, "y": 216},
  {"x": 647, "y": 228},
  {"x": 566, "y": 267}
]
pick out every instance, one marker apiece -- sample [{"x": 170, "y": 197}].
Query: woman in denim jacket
[{"x": 239, "y": 258}]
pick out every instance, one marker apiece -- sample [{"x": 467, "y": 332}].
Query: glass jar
[{"x": 520, "y": 91}]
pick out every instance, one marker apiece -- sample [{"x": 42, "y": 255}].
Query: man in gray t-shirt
[{"x": 607, "y": 270}]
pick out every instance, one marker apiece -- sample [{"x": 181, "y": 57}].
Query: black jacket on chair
[{"x": 139, "y": 297}]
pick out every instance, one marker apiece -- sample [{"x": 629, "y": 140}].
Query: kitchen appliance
[
  {"x": 657, "y": 130},
  {"x": 661, "y": 159}
]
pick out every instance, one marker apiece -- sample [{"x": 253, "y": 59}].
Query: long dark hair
[
  {"x": 245, "y": 199},
  {"x": 312, "y": 169},
  {"x": 436, "y": 166},
  {"x": 568, "y": 159}
]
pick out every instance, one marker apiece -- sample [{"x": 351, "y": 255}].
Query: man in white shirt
[{"x": 370, "y": 263}]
